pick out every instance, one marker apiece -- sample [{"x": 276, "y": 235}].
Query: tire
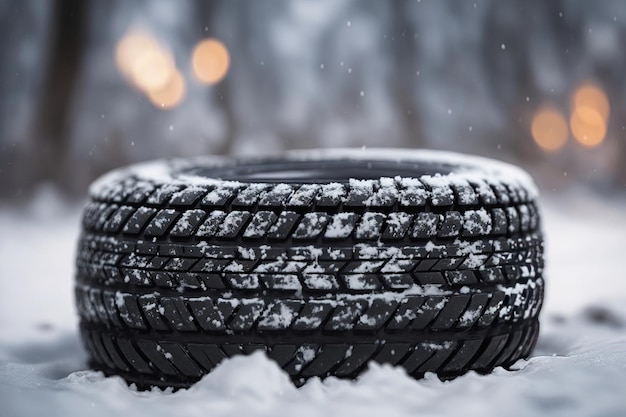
[{"x": 428, "y": 261}]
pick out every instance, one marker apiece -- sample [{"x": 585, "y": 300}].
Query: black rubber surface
[{"x": 435, "y": 274}]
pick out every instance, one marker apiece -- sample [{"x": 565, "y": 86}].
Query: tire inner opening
[{"x": 320, "y": 171}]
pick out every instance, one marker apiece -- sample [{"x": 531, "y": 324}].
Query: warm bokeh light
[
  {"x": 590, "y": 114},
  {"x": 144, "y": 61},
  {"x": 549, "y": 128},
  {"x": 171, "y": 95},
  {"x": 210, "y": 61},
  {"x": 588, "y": 126},
  {"x": 591, "y": 96}
]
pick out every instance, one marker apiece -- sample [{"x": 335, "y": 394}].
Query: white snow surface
[{"x": 578, "y": 368}]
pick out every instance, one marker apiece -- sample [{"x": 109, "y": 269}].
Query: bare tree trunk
[
  {"x": 404, "y": 57},
  {"x": 52, "y": 118}
]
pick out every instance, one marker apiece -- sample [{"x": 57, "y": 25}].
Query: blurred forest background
[{"x": 87, "y": 85}]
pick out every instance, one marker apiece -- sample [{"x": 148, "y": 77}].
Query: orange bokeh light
[
  {"x": 144, "y": 62},
  {"x": 549, "y": 128},
  {"x": 590, "y": 114},
  {"x": 171, "y": 95},
  {"x": 588, "y": 126},
  {"x": 592, "y": 96},
  {"x": 210, "y": 61}
]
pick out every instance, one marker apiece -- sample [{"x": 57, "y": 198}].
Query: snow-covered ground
[{"x": 578, "y": 368}]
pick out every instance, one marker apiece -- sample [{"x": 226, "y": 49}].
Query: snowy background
[{"x": 540, "y": 84}]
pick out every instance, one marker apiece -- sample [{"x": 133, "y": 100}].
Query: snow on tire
[{"x": 325, "y": 260}]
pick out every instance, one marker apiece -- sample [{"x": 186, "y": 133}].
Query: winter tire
[{"x": 324, "y": 260}]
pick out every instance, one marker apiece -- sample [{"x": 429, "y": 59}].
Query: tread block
[
  {"x": 461, "y": 277},
  {"x": 277, "y": 196},
  {"x": 341, "y": 226},
  {"x": 446, "y": 264},
  {"x": 356, "y": 356},
  {"x": 360, "y": 192},
  {"x": 418, "y": 356},
  {"x": 494, "y": 347},
  {"x": 425, "y": 225},
  {"x": 118, "y": 219},
  {"x": 451, "y": 312},
  {"x": 311, "y": 225},
  {"x": 138, "y": 220},
  {"x": 484, "y": 192},
  {"x": 220, "y": 196},
  {"x": 163, "y": 193},
  {"x": 303, "y": 195},
  {"x": 451, "y": 225},
  {"x": 232, "y": 224},
  {"x": 473, "y": 311},
  {"x": 370, "y": 226},
  {"x": 398, "y": 266},
  {"x": 179, "y": 358},
  {"x": 386, "y": 195},
  {"x": 282, "y": 354},
  {"x": 249, "y": 195},
  {"x": 361, "y": 282},
  {"x": 363, "y": 267},
  {"x": 139, "y": 192},
  {"x": 161, "y": 222},
  {"x": 129, "y": 312},
  {"x": 211, "y": 281},
  {"x": 150, "y": 307},
  {"x": 259, "y": 224},
  {"x": 279, "y": 315},
  {"x": 187, "y": 223},
  {"x": 465, "y": 194},
  {"x": 312, "y": 315},
  {"x": 492, "y": 311},
  {"x": 499, "y": 221},
  {"x": 283, "y": 225},
  {"x": 476, "y": 223},
  {"x": 376, "y": 315},
  {"x": 208, "y": 356},
  {"x": 513, "y": 218},
  {"x": 283, "y": 282},
  {"x": 440, "y": 192},
  {"x": 179, "y": 264},
  {"x": 345, "y": 314},
  {"x": 246, "y": 315},
  {"x": 175, "y": 311},
  {"x": 524, "y": 218},
  {"x": 501, "y": 192},
  {"x": 330, "y": 195},
  {"x": 398, "y": 281},
  {"x": 428, "y": 311},
  {"x": 303, "y": 355},
  {"x": 321, "y": 282},
  {"x": 114, "y": 354},
  {"x": 327, "y": 357},
  {"x": 211, "y": 265},
  {"x": 206, "y": 314},
  {"x": 243, "y": 281},
  {"x": 412, "y": 193},
  {"x": 430, "y": 278},
  {"x": 392, "y": 353},
  {"x": 187, "y": 197},
  {"x": 442, "y": 352},
  {"x": 104, "y": 216},
  {"x": 158, "y": 357},
  {"x": 397, "y": 225},
  {"x": 133, "y": 357}
]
